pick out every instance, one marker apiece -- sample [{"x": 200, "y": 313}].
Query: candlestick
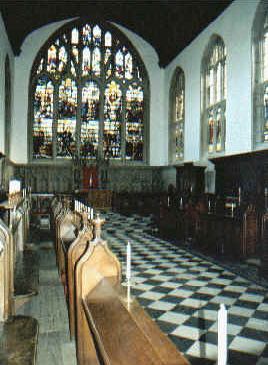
[
  {"x": 222, "y": 335},
  {"x": 128, "y": 271}
]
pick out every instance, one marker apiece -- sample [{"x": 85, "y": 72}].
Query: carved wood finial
[{"x": 98, "y": 223}]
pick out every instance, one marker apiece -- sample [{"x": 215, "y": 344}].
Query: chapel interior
[{"x": 134, "y": 182}]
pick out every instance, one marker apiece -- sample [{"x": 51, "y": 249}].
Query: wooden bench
[{"x": 109, "y": 328}]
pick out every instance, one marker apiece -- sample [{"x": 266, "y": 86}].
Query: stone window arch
[
  {"x": 177, "y": 117},
  {"x": 213, "y": 97},
  {"x": 89, "y": 97}
]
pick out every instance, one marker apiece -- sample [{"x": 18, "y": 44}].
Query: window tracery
[
  {"x": 214, "y": 97},
  {"x": 88, "y": 91},
  {"x": 177, "y": 116}
]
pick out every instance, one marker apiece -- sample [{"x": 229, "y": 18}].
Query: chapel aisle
[{"x": 49, "y": 307}]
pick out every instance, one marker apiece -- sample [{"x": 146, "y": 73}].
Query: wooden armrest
[{"x": 125, "y": 333}]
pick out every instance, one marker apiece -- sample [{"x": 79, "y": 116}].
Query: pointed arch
[
  {"x": 260, "y": 76},
  {"x": 213, "y": 97},
  {"x": 177, "y": 116},
  {"x": 80, "y": 103}
]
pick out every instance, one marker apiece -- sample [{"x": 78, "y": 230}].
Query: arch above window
[
  {"x": 177, "y": 117},
  {"x": 260, "y": 76},
  {"x": 213, "y": 100},
  {"x": 88, "y": 97}
]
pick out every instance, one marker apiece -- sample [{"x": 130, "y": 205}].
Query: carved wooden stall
[
  {"x": 75, "y": 251},
  {"x": 250, "y": 232},
  {"x": 18, "y": 334}
]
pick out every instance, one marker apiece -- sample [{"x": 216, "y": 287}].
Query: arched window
[
  {"x": 88, "y": 97},
  {"x": 213, "y": 106},
  {"x": 177, "y": 120},
  {"x": 260, "y": 77}
]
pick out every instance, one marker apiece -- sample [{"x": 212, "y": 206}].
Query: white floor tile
[
  {"x": 247, "y": 345},
  {"x": 203, "y": 350},
  {"x": 188, "y": 332},
  {"x": 172, "y": 317},
  {"x": 162, "y": 305}
]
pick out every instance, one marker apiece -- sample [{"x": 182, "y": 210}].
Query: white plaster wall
[
  {"x": 234, "y": 26},
  {"x": 23, "y": 64},
  {"x": 5, "y": 48}
]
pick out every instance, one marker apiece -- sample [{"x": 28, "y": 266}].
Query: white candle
[
  {"x": 92, "y": 213},
  {"x": 128, "y": 273},
  {"x": 222, "y": 335}
]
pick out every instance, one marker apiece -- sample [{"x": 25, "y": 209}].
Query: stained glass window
[
  {"x": 177, "y": 116},
  {"x": 214, "y": 103},
  {"x": 89, "y": 88}
]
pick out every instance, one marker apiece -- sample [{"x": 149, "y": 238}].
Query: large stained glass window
[
  {"x": 214, "y": 96},
  {"x": 89, "y": 90},
  {"x": 177, "y": 118}
]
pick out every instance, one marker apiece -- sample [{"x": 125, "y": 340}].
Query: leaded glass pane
[
  {"x": 210, "y": 131},
  {"x": 108, "y": 39},
  {"x": 52, "y": 59},
  {"x": 218, "y": 83},
  {"x": 179, "y": 133},
  {"x": 40, "y": 67},
  {"x": 75, "y": 36},
  {"x": 134, "y": 123},
  {"x": 112, "y": 121},
  {"x": 62, "y": 58},
  {"x": 43, "y": 118},
  {"x": 66, "y": 126},
  {"x": 107, "y": 55},
  {"x": 86, "y": 61},
  {"x": 119, "y": 64},
  {"x": 97, "y": 35},
  {"x": 86, "y": 34},
  {"x": 219, "y": 131},
  {"x": 75, "y": 53},
  {"x": 128, "y": 66},
  {"x": 96, "y": 61},
  {"x": 90, "y": 120}
]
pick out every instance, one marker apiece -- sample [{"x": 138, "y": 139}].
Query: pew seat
[
  {"x": 18, "y": 340},
  {"x": 123, "y": 332}
]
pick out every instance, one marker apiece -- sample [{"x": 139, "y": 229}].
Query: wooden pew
[
  {"x": 67, "y": 225},
  {"x": 75, "y": 251},
  {"x": 110, "y": 329},
  {"x": 18, "y": 334}
]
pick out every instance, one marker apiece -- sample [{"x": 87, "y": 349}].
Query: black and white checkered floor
[{"x": 182, "y": 292}]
